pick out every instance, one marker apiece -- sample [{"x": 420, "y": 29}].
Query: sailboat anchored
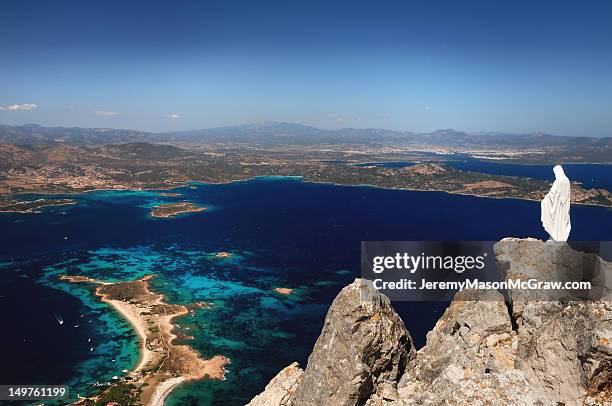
[{"x": 59, "y": 319}]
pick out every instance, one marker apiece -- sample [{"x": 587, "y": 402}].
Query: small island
[
  {"x": 283, "y": 291},
  {"x": 169, "y": 194},
  {"x": 223, "y": 254},
  {"x": 31, "y": 206},
  {"x": 163, "y": 364},
  {"x": 202, "y": 305},
  {"x": 174, "y": 209}
]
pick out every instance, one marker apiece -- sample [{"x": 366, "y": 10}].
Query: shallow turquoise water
[{"x": 281, "y": 233}]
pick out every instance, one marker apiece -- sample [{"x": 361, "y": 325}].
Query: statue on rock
[{"x": 556, "y": 207}]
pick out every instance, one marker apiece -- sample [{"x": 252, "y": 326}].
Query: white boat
[{"x": 59, "y": 319}]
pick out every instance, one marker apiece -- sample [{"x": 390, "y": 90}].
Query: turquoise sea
[{"x": 282, "y": 232}]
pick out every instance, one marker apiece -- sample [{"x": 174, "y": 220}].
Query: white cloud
[
  {"x": 427, "y": 108},
  {"x": 384, "y": 114},
  {"x": 105, "y": 113},
  {"x": 172, "y": 115},
  {"x": 20, "y": 107},
  {"x": 337, "y": 117}
]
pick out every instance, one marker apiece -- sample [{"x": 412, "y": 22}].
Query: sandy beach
[
  {"x": 128, "y": 312},
  {"x": 163, "y": 364},
  {"x": 163, "y": 390}
]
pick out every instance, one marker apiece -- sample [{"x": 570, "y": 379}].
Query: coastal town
[{"x": 53, "y": 169}]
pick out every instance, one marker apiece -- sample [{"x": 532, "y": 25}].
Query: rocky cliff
[{"x": 481, "y": 352}]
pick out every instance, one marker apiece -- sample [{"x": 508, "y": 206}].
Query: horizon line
[{"x": 269, "y": 122}]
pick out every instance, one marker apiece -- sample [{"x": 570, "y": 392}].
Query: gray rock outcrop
[
  {"x": 363, "y": 349},
  {"x": 364, "y": 345},
  {"x": 484, "y": 350},
  {"x": 564, "y": 345},
  {"x": 281, "y": 388},
  {"x": 468, "y": 359}
]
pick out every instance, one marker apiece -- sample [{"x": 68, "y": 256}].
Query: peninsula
[
  {"x": 31, "y": 206},
  {"x": 157, "y": 162},
  {"x": 163, "y": 364}
]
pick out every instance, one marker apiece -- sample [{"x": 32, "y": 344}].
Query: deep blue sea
[
  {"x": 589, "y": 175},
  {"x": 283, "y": 232}
]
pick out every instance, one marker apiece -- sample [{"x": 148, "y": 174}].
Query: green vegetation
[
  {"x": 120, "y": 393},
  {"x": 153, "y": 166}
]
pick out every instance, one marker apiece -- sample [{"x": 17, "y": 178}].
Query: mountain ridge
[{"x": 283, "y": 133}]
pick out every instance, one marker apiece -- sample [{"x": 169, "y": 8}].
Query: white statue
[{"x": 556, "y": 207}]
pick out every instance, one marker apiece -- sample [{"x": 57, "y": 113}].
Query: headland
[
  {"x": 31, "y": 206},
  {"x": 163, "y": 364}
]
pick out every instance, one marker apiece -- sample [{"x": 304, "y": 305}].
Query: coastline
[
  {"x": 136, "y": 323},
  {"x": 35, "y": 205},
  {"x": 163, "y": 390},
  {"x": 162, "y": 364},
  {"x": 75, "y": 192},
  {"x": 365, "y": 185},
  {"x": 168, "y": 210}
]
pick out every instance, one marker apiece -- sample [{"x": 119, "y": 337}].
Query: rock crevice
[{"x": 493, "y": 350}]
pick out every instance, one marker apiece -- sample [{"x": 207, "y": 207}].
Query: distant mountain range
[
  {"x": 33, "y": 134},
  {"x": 276, "y": 133}
]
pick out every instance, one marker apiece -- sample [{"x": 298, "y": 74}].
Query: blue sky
[{"x": 410, "y": 65}]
